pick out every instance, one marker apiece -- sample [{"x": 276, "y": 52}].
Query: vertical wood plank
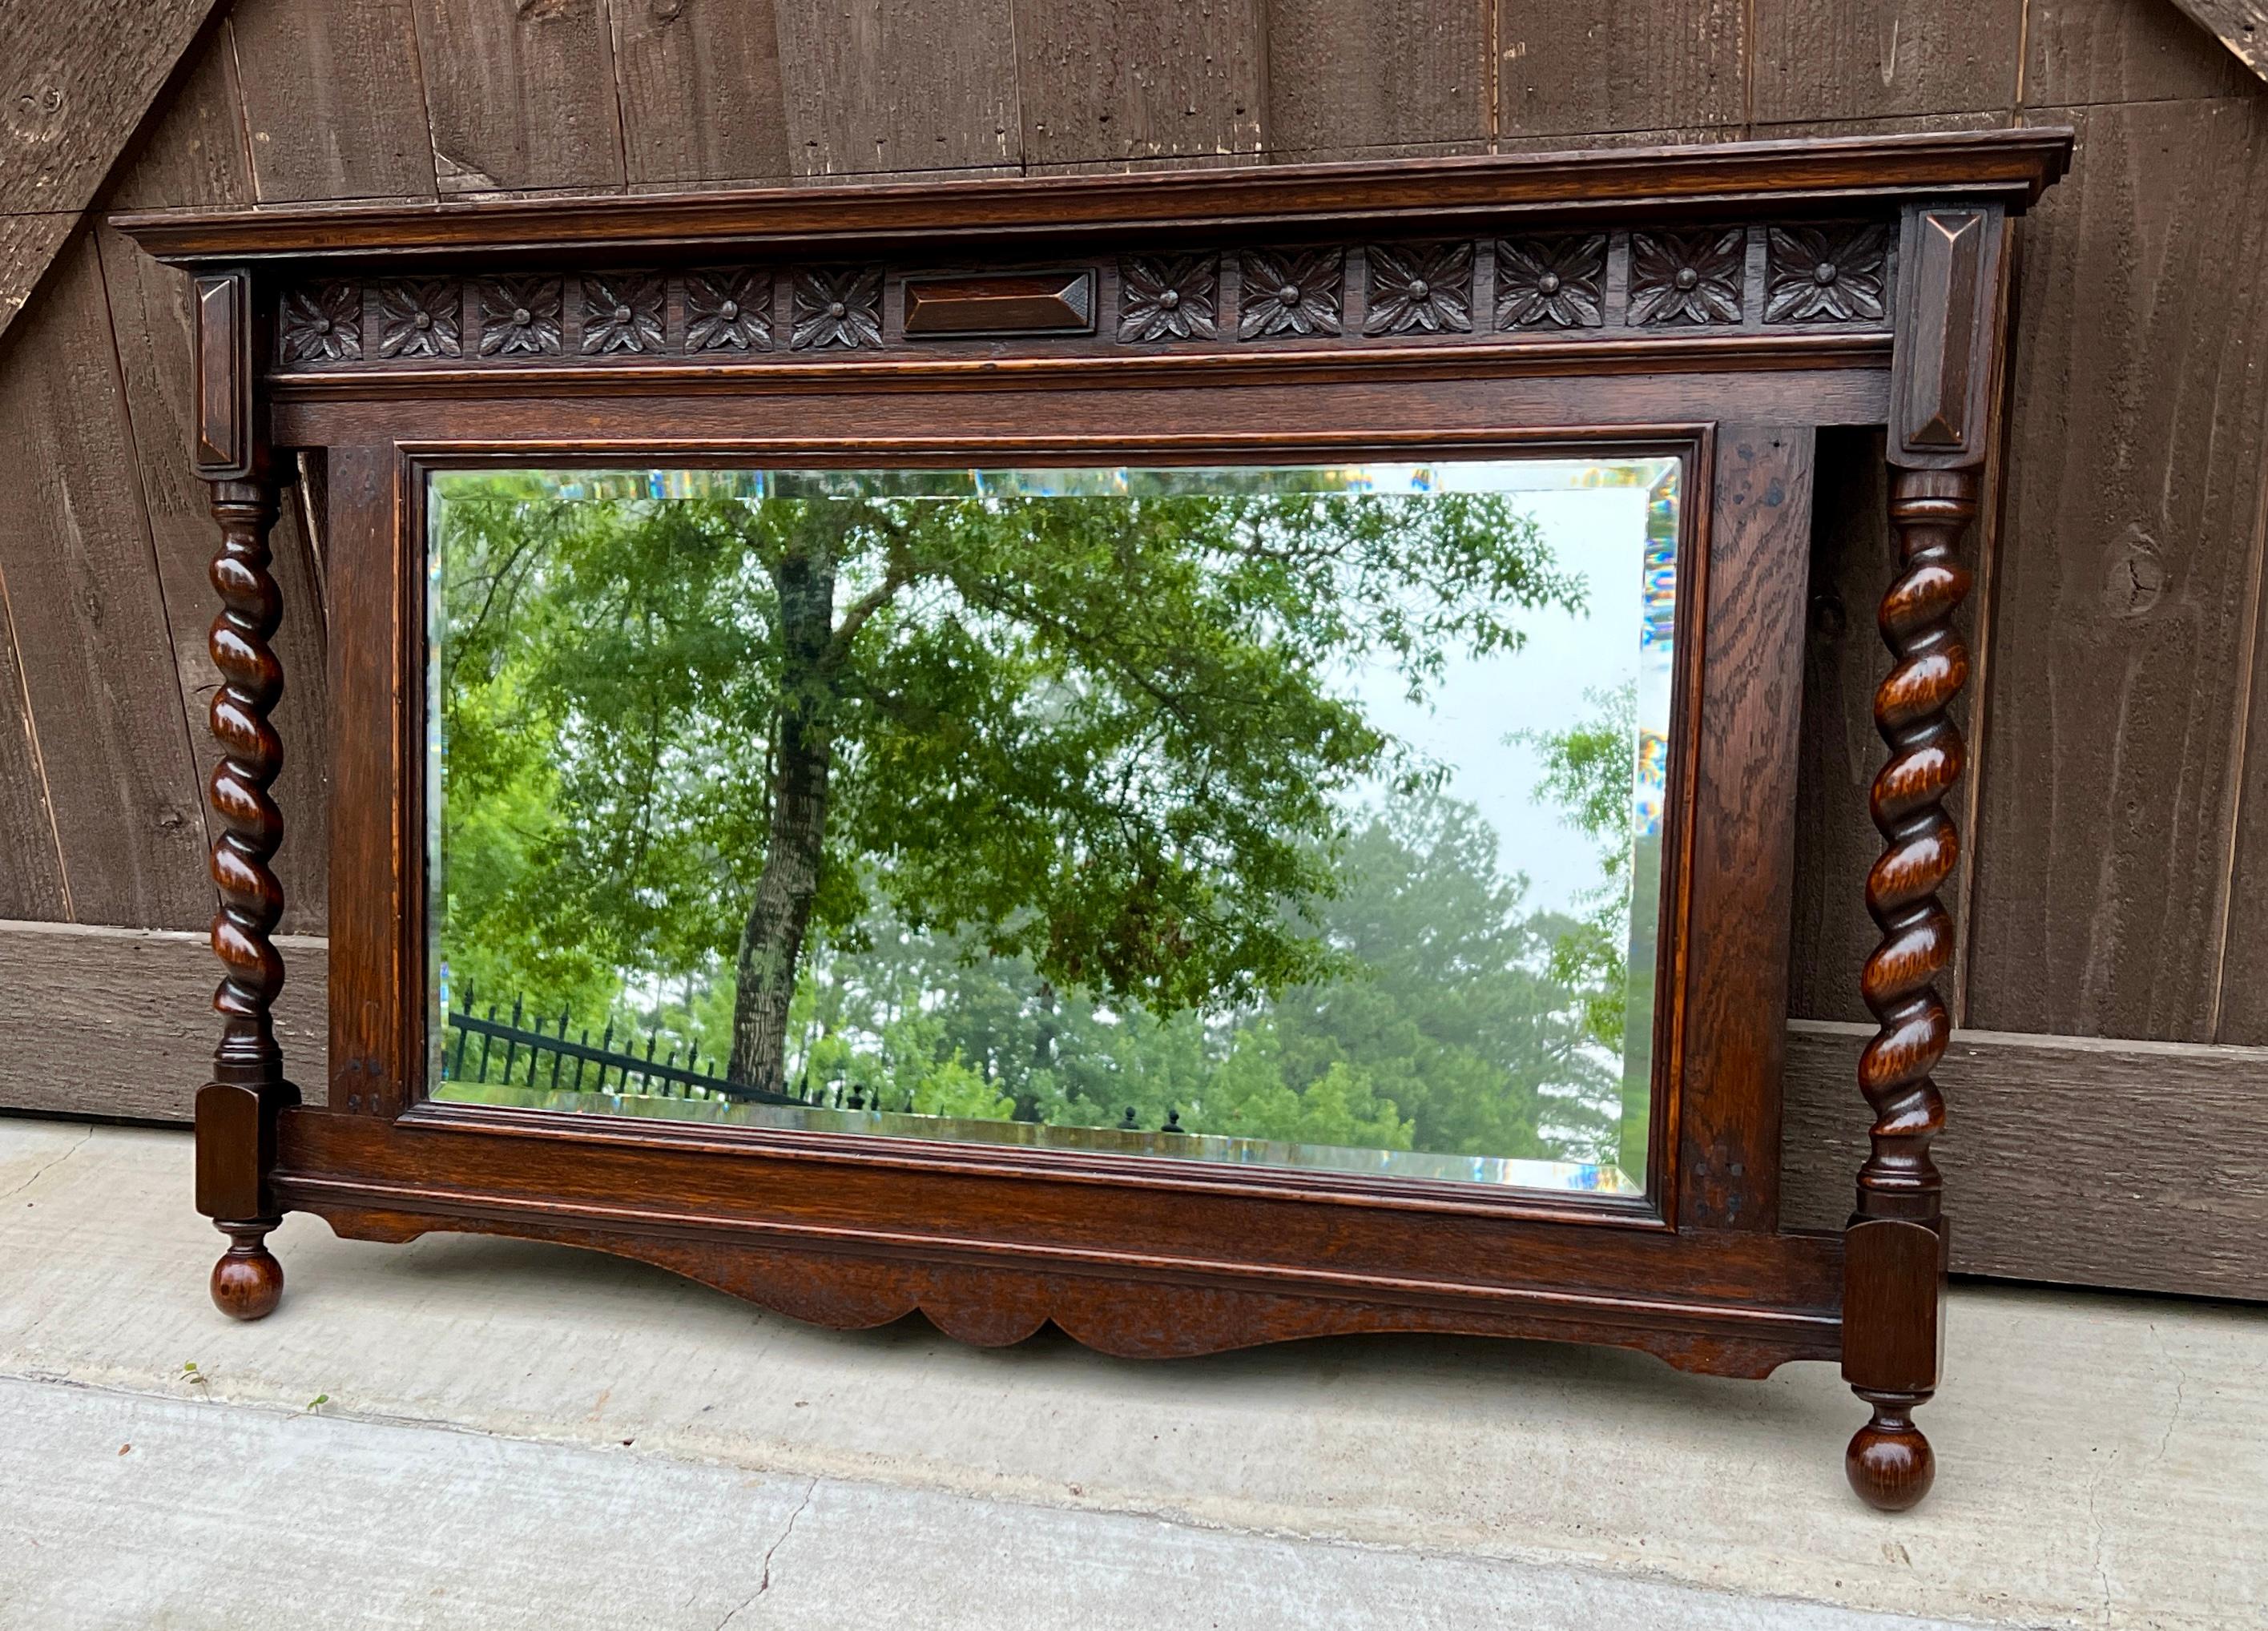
[
  {"x": 701, "y": 93},
  {"x": 32, "y": 883},
  {"x": 1586, "y": 67},
  {"x": 78, "y": 80},
  {"x": 521, "y": 95},
  {"x": 27, "y": 248},
  {"x": 1352, "y": 76},
  {"x": 334, "y": 98},
  {"x": 2140, "y": 403},
  {"x": 1134, "y": 79},
  {"x": 1831, "y": 59},
  {"x": 1745, "y": 744},
  {"x": 872, "y": 88},
  {"x": 194, "y": 156},
  {"x": 2244, "y": 942},
  {"x": 2079, "y": 52},
  {"x": 97, "y": 657},
  {"x": 368, "y": 989}
]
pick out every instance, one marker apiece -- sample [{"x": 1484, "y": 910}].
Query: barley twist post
[
  {"x": 248, "y": 1086},
  {"x": 1898, "y": 1223}
]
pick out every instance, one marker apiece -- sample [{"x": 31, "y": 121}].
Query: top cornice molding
[{"x": 2009, "y": 167}]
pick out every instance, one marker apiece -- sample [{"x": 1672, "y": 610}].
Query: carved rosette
[
  {"x": 420, "y": 319},
  {"x": 1686, "y": 277},
  {"x": 321, "y": 323},
  {"x": 1930, "y": 510},
  {"x": 1560, "y": 282},
  {"x": 728, "y": 311},
  {"x": 1168, "y": 297},
  {"x": 1420, "y": 288},
  {"x": 251, "y": 754},
  {"x": 1832, "y": 274},
  {"x": 624, "y": 312},
  {"x": 836, "y": 306},
  {"x": 1292, "y": 291},
  {"x": 520, "y": 315}
]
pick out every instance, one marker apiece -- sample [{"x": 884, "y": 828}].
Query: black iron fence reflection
[{"x": 519, "y": 1051}]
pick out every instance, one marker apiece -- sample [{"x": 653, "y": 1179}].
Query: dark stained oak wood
[
  {"x": 1733, "y": 304},
  {"x": 1739, "y": 828},
  {"x": 2013, "y": 166}
]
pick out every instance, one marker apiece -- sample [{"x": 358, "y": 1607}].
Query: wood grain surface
[
  {"x": 1580, "y": 67},
  {"x": 89, "y": 616},
  {"x": 2141, "y": 1165},
  {"x": 77, "y": 81},
  {"x": 721, "y": 56},
  {"x": 520, "y": 96},
  {"x": 1365, "y": 76},
  {"x": 874, "y": 88},
  {"x": 142, "y": 1042},
  {"x": 2125, "y": 600},
  {"x": 1829, "y": 59},
  {"x": 1139, "y": 79},
  {"x": 334, "y": 98}
]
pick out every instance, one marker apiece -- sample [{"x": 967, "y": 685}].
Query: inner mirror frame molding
[{"x": 1720, "y": 304}]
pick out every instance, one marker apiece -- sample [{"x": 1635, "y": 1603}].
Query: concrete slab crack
[
  {"x": 764, "y": 1583},
  {"x": 49, "y": 1166}
]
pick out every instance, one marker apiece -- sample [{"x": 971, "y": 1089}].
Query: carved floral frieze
[
  {"x": 728, "y": 311},
  {"x": 1290, "y": 291},
  {"x": 1420, "y": 288},
  {"x": 1567, "y": 285},
  {"x": 623, "y": 313},
  {"x": 321, "y": 323},
  {"x": 1556, "y": 283},
  {"x": 520, "y": 315},
  {"x": 1832, "y": 274},
  {"x": 836, "y": 306},
  {"x": 1167, "y": 297},
  {"x": 421, "y": 318}
]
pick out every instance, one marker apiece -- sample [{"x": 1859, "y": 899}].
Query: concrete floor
[{"x": 514, "y": 1435}]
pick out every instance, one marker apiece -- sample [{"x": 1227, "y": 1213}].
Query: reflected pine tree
[{"x": 999, "y": 804}]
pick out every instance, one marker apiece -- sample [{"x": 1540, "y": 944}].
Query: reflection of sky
[
  {"x": 1593, "y": 517},
  {"x": 1598, "y": 531}
]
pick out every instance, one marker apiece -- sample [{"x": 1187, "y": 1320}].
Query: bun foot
[
  {"x": 1889, "y": 1463},
  {"x": 247, "y": 1282}
]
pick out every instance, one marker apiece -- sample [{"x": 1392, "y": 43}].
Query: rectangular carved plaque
[
  {"x": 1004, "y": 303},
  {"x": 224, "y": 375},
  {"x": 1949, "y": 275}
]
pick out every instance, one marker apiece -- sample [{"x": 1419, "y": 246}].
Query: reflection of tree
[
  {"x": 1441, "y": 1028},
  {"x": 1591, "y": 773},
  {"x": 1093, "y": 734}
]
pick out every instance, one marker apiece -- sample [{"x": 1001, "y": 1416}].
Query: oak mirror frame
[{"x": 1710, "y": 307}]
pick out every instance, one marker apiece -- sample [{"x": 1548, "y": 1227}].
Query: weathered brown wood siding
[{"x": 2122, "y": 713}]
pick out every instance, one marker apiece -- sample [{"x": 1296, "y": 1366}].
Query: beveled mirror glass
[{"x": 1303, "y": 817}]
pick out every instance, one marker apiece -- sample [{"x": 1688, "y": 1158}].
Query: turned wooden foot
[
  {"x": 1889, "y": 1463},
  {"x": 247, "y": 1282}
]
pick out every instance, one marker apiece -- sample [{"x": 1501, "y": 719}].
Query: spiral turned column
[
  {"x": 236, "y": 1112},
  {"x": 1894, "y": 1249}
]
